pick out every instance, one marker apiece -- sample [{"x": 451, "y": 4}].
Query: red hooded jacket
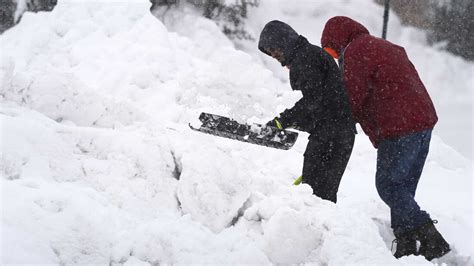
[{"x": 387, "y": 97}]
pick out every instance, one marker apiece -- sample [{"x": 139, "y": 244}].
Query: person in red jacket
[{"x": 390, "y": 102}]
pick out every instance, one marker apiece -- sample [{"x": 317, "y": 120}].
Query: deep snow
[{"x": 99, "y": 166}]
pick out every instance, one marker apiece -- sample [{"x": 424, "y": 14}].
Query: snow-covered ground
[{"x": 99, "y": 166}]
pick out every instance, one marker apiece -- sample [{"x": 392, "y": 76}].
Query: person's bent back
[
  {"x": 398, "y": 103},
  {"x": 394, "y": 109}
]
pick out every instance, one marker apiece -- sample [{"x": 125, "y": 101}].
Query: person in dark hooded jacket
[
  {"x": 392, "y": 105},
  {"x": 323, "y": 111}
]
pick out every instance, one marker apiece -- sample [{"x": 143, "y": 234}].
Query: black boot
[
  {"x": 406, "y": 244},
  {"x": 433, "y": 244}
]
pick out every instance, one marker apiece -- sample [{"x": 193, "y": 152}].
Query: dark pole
[{"x": 385, "y": 19}]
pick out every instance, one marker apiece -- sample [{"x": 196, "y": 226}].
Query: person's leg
[
  {"x": 395, "y": 184},
  {"x": 339, "y": 157},
  {"x": 399, "y": 166},
  {"x": 433, "y": 245},
  {"x": 395, "y": 159},
  {"x": 406, "y": 241},
  {"x": 315, "y": 165},
  {"x": 419, "y": 163},
  {"x": 325, "y": 161}
]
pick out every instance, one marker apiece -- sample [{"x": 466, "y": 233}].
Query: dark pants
[
  {"x": 325, "y": 160},
  {"x": 400, "y": 162}
]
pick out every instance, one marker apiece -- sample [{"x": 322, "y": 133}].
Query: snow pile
[{"x": 99, "y": 166}]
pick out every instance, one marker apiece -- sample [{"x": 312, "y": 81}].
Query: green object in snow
[
  {"x": 278, "y": 124},
  {"x": 298, "y": 180}
]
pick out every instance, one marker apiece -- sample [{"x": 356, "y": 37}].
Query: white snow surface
[{"x": 99, "y": 165}]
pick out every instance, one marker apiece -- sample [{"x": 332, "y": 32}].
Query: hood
[
  {"x": 340, "y": 31},
  {"x": 278, "y": 35}
]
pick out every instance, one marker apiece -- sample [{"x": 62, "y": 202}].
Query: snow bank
[{"x": 99, "y": 166}]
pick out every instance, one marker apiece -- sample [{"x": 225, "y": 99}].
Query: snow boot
[
  {"x": 406, "y": 244},
  {"x": 433, "y": 244}
]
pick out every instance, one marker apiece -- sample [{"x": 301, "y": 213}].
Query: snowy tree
[
  {"x": 230, "y": 15},
  {"x": 453, "y": 22},
  {"x": 450, "y": 22},
  {"x": 7, "y": 14},
  {"x": 12, "y": 10},
  {"x": 40, "y": 5}
]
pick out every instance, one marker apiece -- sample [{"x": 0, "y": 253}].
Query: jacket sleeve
[{"x": 304, "y": 115}]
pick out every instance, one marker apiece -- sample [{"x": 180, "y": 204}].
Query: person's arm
[
  {"x": 301, "y": 115},
  {"x": 356, "y": 79},
  {"x": 306, "y": 112}
]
